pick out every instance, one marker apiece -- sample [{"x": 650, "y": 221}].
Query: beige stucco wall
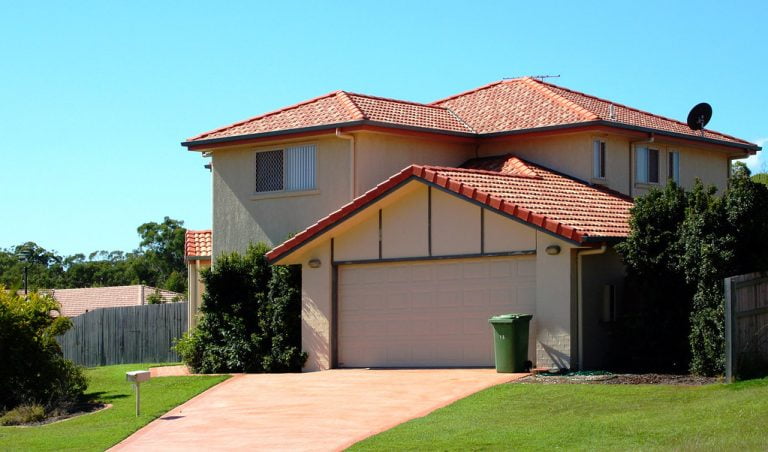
[
  {"x": 241, "y": 216},
  {"x": 404, "y": 225},
  {"x": 710, "y": 166},
  {"x": 379, "y": 156},
  {"x": 455, "y": 225},
  {"x": 316, "y": 287},
  {"x": 195, "y": 289},
  {"x": 572, "y": 154},
  {"x": 555, "y": 301},
  {"x": 502, "y": 234}
]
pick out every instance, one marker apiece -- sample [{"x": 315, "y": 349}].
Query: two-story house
[{"x": 414, "y": 223}]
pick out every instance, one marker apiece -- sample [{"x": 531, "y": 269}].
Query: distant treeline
[{"x": 158, "y": 262}]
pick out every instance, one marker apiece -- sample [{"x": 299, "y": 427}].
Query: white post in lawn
[{"x": 136, "y": 377}]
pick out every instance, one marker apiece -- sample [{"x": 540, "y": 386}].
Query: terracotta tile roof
[
  {"x": 342, "y": 107},
  {"x": 198, "y": 243},
  {"x": 503, "y": 106},
  {"x": 75, "y": 302},
  {"x": 525, "y": 103},
  {"x": 546, "y": 199}
]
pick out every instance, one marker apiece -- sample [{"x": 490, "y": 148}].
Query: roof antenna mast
[{"x": 542, "y": 77}]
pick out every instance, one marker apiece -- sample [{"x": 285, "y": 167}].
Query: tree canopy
[
  {"x": 158, "y": 261},
  {"x": 681, "y": 247}
]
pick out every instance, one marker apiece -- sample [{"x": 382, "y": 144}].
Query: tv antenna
[
  {"x": 699, "y": 116},
  {"x": 543, "y": 76},
  {"x": 537, "y": 77}
]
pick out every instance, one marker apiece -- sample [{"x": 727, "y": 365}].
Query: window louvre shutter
[{"x": 300, "y": 168}]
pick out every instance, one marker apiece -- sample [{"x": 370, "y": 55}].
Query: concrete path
[{"x": 316, "y": 411}]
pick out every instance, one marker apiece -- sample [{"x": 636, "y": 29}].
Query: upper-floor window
[
  {"x": 647, "y": 165},
  {"x": 289, "y": 169},
  {"x": 673, "y": 166},
  {"x": 598, "y": 159}
]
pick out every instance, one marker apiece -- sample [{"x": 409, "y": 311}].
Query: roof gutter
[
  {"x": 323, "y": 127},
  {"x": 752, "y": 148}
]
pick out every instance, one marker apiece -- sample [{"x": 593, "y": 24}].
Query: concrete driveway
[{"x": 311, "y": 411}]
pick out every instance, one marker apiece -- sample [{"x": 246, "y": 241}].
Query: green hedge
[
  {"x": 681, "y": 247},
  {"x": 251, "y": 317}
]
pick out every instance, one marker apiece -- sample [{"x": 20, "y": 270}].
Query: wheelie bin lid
[{"x": 509, "y": 318}]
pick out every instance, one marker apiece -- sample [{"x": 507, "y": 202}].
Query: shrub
[
  {"x": 23, "y": 414},
  {"x": 155, "y": 298},
  {"x": 681, "y": 247},
  {"x": 251, "y": 317},
  {"x": 34, "y": 370}
]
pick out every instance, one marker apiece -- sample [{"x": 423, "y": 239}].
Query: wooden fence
[
  {"x": 746, "y": 326},
  {"x": 131, "y": 334}
]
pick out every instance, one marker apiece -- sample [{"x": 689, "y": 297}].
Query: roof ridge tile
[
  {"x": 471, "y": 91},
  {"x": 349, "y": 103},
  {"x": 586, "y": 114},
  {"x": 392, "y": 99}
]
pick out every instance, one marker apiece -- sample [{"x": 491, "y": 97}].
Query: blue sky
[{"x": 95, "y": 97}]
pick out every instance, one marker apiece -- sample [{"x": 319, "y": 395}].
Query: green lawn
[
  {"x": 591, "y": 417},
  {"x": 98, "y": 431}
]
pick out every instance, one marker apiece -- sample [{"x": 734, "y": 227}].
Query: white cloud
[{"x": 758, "y": 163}]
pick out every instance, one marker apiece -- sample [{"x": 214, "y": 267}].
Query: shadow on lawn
[{"x": 104, "y": 396}]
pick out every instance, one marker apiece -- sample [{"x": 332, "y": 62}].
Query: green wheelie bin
[{"x": 510, "y": 341}]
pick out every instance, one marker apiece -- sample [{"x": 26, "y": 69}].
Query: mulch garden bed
[
  {"x": 80, "y": 410},
  {"x": 618, "y": 379}
]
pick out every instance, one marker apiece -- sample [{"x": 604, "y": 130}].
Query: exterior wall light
[
  {"x": 314, "y": 263},
  {"x": 553, "y": 250}
]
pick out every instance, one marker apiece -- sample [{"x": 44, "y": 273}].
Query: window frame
[
  {"x": 643, "y": 165},
  {"x": 673, "y": 166},
  {"x": 598, "y": 159},
  {"x": 285, "y": 171}
]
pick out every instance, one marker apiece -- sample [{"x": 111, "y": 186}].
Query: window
[
  {"x": 647, "y": 165},
  {"x": 673, "y": 166},
  {"x": 608, "y": 313},
  {"x": 598, "y": 159},
  {"x": 289, "y": 169}
]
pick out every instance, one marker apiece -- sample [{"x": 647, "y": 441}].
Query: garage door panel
[
  {"x": 448, "y": 298},
  {"x": 448, "y": 271},
  {"x": 475, "y": 297},
  {"x": 428, "y": 313},
  {"x": 398, "y": 300},
  {"x": 473, "y": 270},
  {"x": 526, "y": 267},
  {"x": 422, "y": 273}
]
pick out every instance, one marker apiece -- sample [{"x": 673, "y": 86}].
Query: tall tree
[{"x": 162, "y": 254}]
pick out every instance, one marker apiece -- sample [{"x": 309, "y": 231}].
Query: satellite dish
[{"x": 699, "y": 116}]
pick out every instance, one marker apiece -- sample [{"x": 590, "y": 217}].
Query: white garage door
[{"x": 428, "y": 313}]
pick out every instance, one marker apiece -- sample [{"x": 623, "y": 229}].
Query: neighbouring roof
[
  {"x": 545, "y": 199},
  {"x": 506, "y": 106},
  {"x": 75, "y": 302},
  {"x": 197, "y": 244}
]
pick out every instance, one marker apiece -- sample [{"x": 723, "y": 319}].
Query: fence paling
[
  {"x": 746, "y": 326},
  {"x": 130, "y": 334}
]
